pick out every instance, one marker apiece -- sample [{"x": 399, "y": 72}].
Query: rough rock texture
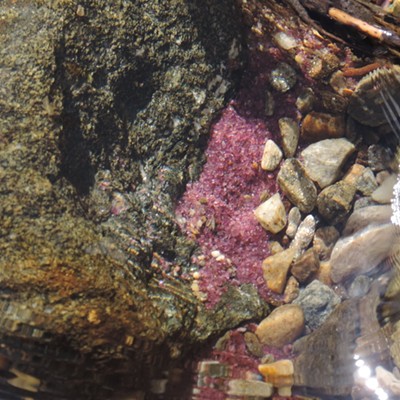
[
  {"x": 324, "y": 240},
  {"x": 305, "y": 266},
  {"x": 272, "y": 214},
  {"x": 105, "y": 110},
  {"x": 319, "y": 126},
  {"x": 272, "y": 156},
  {"x": 289, "y": 130}
]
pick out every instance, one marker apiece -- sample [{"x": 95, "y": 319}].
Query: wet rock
[
  {"x": 324, "y": 273},
  {"x": 284, "y": 325},
  {"x": 249, "y": 388},
  {"x": 275, "y": 247},
  {"x": 305, "y": 101},
  {"x": 384, "y": 193},
  {"x": 253, "y": 344},
  {"x": 275, "y": 269},
  {"x": 363, "y": 202},
  {"x": 361, "y": 252},
  {"x": 283, "y": 78},
  {"x": 388, "y": 381},
  {"x": 306, "y": 265},
  {"x": 379, "y": 157},
  {"x": 291, "y": 290},
  {"x": 353, "y": 174},
  {"x": 366, "y": 183},
  {"x": 317, "y": 301},
  {"x": 360, "y": 286},
  {"x": 294, "y": 183},
  {"x": 294, "y": 218},
  {"x": 289, "y": 130},
  {"x": 324, "y": 240},
  {"x": 304, "y": 235},
  {"x": 280, "y": 375},
  {"x": 370, "y": 215},
  {"x": 333, "y": 102},
  {"x": 334, "y": 202},
  {"x": 272, "y": 156},
  {"x": 269, "y": 107},
  {"x": 323, "y": 160},
  {"x": 271, "y": 214},
  {"x": 319, "y": 126},
  {"x": 285, "y": 41}
]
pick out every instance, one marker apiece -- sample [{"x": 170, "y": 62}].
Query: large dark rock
[{"x": 105, "y": 109}]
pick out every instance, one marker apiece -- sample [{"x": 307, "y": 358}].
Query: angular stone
[
  {"x": 291, "y": 290},
  {"x": 305, "y": 266},
  {"x": 284, "y": 325},
  {"x": 294, "y": 183},
  {"x": 379, "y": 157},
  {"x": 305, "y": 101},
  {"x": 362, "y": 252},
  {"x": 283, "y": 78},
  {"x": 272, "y": 156},
  {"x": 253, "y": 345},
  {"x": 271, "y": 214},
  {"x": 249, "y": 388},
  {"x": 324, "y": 240},
  {"x": 383, "y": 194},
  {"x": 279, "y": 373},
  {"x": 294, "y": 218},
  {"x": 275, "y": 269},
  {"x": 317, "y": 301},
  {"x": 289, "y": 130},
  {"x": 275, "y": 247},
  {"x": 365, "y": 216},
  {"x": 353, "y": 174},
  {"x": 323, "y": 160},
  {"x": 366, "y": 183},
  {"x": 304, "y": 235},
  {"x": 318, "y": 126},
  {"x": 334, "y": 202}
]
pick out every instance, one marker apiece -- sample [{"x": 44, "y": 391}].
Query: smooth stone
[
  {"x": 294, "y": 183},
  {"x": 381, "y": 176},
  {"x": 323, "y": 160},
  {"x": 324, "y": 273},
  {"x": 252, "y": 388},
  {"x": 379, "y": 157},
  {"x": 318, "y": 126},
  {"x": 285, "y": 41},
  {"x": 271, "y": 214},
  {"x": 253, "y": 345},
  {"x": 306, "y": 265},
  {"x": 363, "y": 202},
  {"x": 289, "y": 130},
  {"x": 304, "y": 235},
  {"x": 317, "y": 301},
  {"x": 272, "y": 156},
  {"x": 366, "y": 183},
  {"x": 283, "y": 326},
  {"x": 324, "y": 240},
  {"x": 365, "y": 216},
  {"x": 294, "y": 218},
  {"x": 279, "y": 373},
  {"x": 283, "y": 78},
  {"x": 384, "y": 193},
  {"x": 361, "y": 252},
  {"x": 291, "y": 290},
  {"x": 275, "y": 269},
  {"x": 360, "y": 286},
  {"x": 334, "y": 202}
]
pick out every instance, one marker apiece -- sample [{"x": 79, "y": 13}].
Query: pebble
[
  {"x": 379, "y": 157},
  {"x": 249, "y": 388},
  {"x": 366, "y": 182},
  {"x": 334, "y": 202},
  {"x": 319, "y": 126},
  {"x": 317, "y": 301},
  {"x": 275, "y": 269},
  {"x": 272, "y": 156},
  {"x": 253, "y": 345},
  {"x": 283, "y": 326},
  {"x": 323, "y": 160},
  {"x": 365, "y": 216},
  {"x": 353, "y": 174},
  {"x": 291, "y": 290},
  {"x": 294, "y": 218},
  {"x": 305, "y": 101},
  {"x": 269, "y": 107},
  {"x": 388, "y": 381},
  {"x": 289, "y": 130},
  {"x": 363, "y": 202},
  {"x": 324, "y": 273},
  {"x": 361, "y": 252},
  {"x": 383, "y": 194},
  {"x": 306, "y": 265},
  {"x": 324, "y": 240},
  {"x": 283, "y": 78},
  {"x": 280, "y": 374},
  {"x": 271, "y": 214},
  {"x": 294, "y": 183},
  {"x": 360, "y": 286},
  {"x": 275, "y": 247},
  {"x": 285, "y": 41},
  {"x": 304, "y": 235}
]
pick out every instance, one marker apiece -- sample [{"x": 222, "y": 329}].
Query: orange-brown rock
[
  {"x": 318, "y": 126},
  {"x": 306, "y": 265},
  {"x": 279, "y": 373}
]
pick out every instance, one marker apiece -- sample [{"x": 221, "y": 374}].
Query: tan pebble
[
  {"x": 291, "y": 290},
  {"x": 272, "y": 156},
  {"x": 294, "y": 218},
  {"x": 324, "y": 273},
  {"x": 283, "y": 326},
  {"x": 279, "y": 373},
  {"x": 318, "y": 126},
  {"x": 324, "y": 240},
  {"x": 249, "y": 388},
  {"x": 275, "y": 269},
  {"x": 272, "y": 214},
  {"x": 305, "y": 266},
  {"x": 353, "y": 174},
  {"x": 275, "y": 247},
  {"x": 289, "y": 130}
]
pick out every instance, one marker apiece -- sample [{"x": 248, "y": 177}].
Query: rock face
[
  {"x": 102, "y": 120},
  {"x": 324, "y": 160}
]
